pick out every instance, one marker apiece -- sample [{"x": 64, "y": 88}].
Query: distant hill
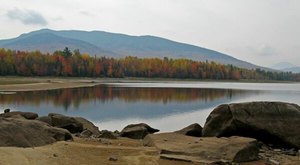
[
  {"x": 116, "y": 45},
  {"x": 286, "y": 67},
  {"x": 293, "y": 69}
]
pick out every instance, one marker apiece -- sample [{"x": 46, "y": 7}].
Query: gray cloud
[
  {"x": 27, "y": 17},
  {"x": 267, "y": 51}
]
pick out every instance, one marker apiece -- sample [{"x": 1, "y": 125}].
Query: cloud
[
  {"x": 27, "y": 17},
  {"x": 267, "y": 51}
]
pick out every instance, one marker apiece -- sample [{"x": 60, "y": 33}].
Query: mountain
[
  {"x": 102, "y": 43},
  {"x": 286, "y": 67},
  {"x": 293, "y": 69},
  {"x": 283, "y": 65}
]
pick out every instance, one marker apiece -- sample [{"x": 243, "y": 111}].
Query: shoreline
[{"x": 22, "y": 84}]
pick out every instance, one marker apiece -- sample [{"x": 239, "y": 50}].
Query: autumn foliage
[{"x": 66, "y": 63}]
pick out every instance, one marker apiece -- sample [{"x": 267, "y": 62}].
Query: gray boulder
[
  {"x": 45, "y": 119},
  {"x": 137, "y": 131},
  {"x": 26, "y": 115},
  {"x": 191, "y": 130},
  {"x": 87, "y": 125},
  {"x": 66, "y": 122},
  {"x": 107, "y": 135},
  {"x": 209, "y": 150},
  {"x": 274, "y": 123},
  {"x": 85, "y": 134},
  {"x": 20, "y": 132}
]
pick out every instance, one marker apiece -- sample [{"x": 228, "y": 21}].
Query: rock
[
  {"x": 20, "y": 132},
  {"x": 87, "y": 125},
  {"x": 26, "y": 115},
  {"x": 117, "y": 133},
  {"x": 107, "y": 135},
  {"x": 277, "y": 150},
  {"x": 45, "y": 119},
  {"x": 6, "y": 110},
  {"x": 112, "y": 158},
  {"x": 277, "y": 123},
  {"x": 209, "y": 150},
  {"x": 137, "y": 131},
  {"x": 273, "y": 162},
  {"x": 191, "y": 130},
  {"x": 66, "y": 122},
  {"x": 291, "y": 152},
  {"x": 86, "y": 134},
  {"x": 104, "y": 141}
]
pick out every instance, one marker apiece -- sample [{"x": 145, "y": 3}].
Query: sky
[{"x": 263, "y": 32}]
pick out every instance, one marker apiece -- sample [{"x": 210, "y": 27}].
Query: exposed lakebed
[{"x": 168, "y": 106}]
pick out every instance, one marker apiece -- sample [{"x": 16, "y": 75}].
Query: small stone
[
  {"x": 268, "y": 155},
  {"x": 277, "y": 150},
  {"x": 291, "y": 152},
  {"x": 113, "y": 158},
  {"x": 104, "y": 141},
  {"x": 55, "y": 155},
  {"x": 6, "y": 110},
  {"x": 262, "y": 151},
  {"x": 273, "y": 162}
]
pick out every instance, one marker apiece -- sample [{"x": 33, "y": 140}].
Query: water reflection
[
  {"x": 105, "y": 93},
  {"x": 113, "y": 107}
]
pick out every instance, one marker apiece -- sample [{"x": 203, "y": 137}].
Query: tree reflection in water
[{"x": 103, "y": 93}]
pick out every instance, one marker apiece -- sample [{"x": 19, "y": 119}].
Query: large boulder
[
  {"x": 21, "y": 132},
  {"x": 209, "y": 150},
  {"x": 87, "y": 125},
  {"x": 45, "y": 119},
  {"x": 274, "y": 123},
  {"x": 66, "y": 122},
  {"x": 107, "y": 135},
  {"x": 16, "y": 114},
  {"x": 191, "y": 130},
  {"x": 137, "y": 131}
]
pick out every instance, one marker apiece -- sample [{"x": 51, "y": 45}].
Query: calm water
[{"x": 166, "y": 106}]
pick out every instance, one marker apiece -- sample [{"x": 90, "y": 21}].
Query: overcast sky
[{"x": 262, "y": 32}]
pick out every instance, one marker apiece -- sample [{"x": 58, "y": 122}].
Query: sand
[{"x": 85, "y": 151}]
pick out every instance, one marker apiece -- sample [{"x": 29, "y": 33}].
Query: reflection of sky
[{"x": 116, "y": 113}]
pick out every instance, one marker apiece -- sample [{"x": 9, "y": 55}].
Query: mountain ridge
[{"x": 117, "y": 45}]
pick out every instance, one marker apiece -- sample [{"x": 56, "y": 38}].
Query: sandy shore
[
  {"x": 17, "y": 84},
  {"x": 86, "y": 151},
  {"x": 11, "y": 84}
]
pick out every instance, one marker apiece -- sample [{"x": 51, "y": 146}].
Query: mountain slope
[
  {"x": 286, "y": 67},
  {"x": 292, "y": 69},
  {"x": 116, "y": 45},
  {"x": 48, "y": 42}
]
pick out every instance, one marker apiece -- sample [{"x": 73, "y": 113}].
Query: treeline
[{"x": 75, "y": 64}]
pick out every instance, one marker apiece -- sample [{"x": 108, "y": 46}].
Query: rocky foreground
[{"x": 244, "y": 133}]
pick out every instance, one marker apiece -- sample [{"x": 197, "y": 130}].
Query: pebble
[
  {"x": 55, "y": 155},
  {"x": 291, "y": 152},
  {"x": 112, "y": 158},
  {"x": 277, "y": 150},
  {"x": 104, "y": 141},
  {"x": 268, "y": 155},
  {"x": 273, "y": 162},
  {"x": 262, "y": 151}
]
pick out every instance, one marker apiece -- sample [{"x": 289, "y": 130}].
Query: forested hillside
[{"x": 67, "y": 63}]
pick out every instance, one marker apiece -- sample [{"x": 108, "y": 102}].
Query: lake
[{"x": 167, "y": 106}]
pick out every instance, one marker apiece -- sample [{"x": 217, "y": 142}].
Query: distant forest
[{"x": 75, "y": 64}]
